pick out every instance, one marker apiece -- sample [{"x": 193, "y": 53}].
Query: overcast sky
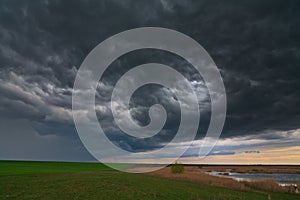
[{"x": 255, "y": 44}]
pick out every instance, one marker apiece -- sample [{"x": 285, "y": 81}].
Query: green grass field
[
  {"x": 35, "y": 167},
  {"x": 61, "y": 180}
]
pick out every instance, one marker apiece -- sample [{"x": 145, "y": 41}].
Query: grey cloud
[
  {"x": 21, "y": 141},
  {"x": 255, "y": 44}
]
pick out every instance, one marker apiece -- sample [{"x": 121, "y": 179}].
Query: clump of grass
[
  {"x": 177, "y": 168},
  {"x": 270, "y": 185}
]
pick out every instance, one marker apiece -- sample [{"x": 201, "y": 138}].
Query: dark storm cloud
[
  {"x": 256, "y": 45},
  {"x": 21, "y": 141}
]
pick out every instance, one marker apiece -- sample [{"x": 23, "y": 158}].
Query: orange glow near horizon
[{"x": 283, "y": 155}]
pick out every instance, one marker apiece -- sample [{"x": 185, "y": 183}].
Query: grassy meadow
[{"x": 65, "y": 180}]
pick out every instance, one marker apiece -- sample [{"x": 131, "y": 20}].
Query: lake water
[{"x": 281, "y": 178}]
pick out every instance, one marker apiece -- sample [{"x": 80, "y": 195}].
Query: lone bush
[{"x": 177, "y": 168}]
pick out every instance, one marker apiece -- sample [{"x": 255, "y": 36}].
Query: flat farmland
[{"x": 60, "y": 180}]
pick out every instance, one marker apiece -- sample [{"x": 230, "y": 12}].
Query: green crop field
[
  {"x": 33, "y": 167},
  {"x": 61, "y": 180}
]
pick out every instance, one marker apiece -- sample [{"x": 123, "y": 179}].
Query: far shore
[{"x": 290, "y": 169}]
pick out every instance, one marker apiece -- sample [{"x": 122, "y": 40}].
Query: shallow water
[{"x": 282, "y": 178}]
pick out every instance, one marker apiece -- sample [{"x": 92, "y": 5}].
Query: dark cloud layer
[{"x": 256, "y": 45}]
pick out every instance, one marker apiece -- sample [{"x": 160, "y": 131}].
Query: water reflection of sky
[{"x": 282, "y": 178}]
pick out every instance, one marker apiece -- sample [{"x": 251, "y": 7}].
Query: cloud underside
[{"x": 255, "y": 44}]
